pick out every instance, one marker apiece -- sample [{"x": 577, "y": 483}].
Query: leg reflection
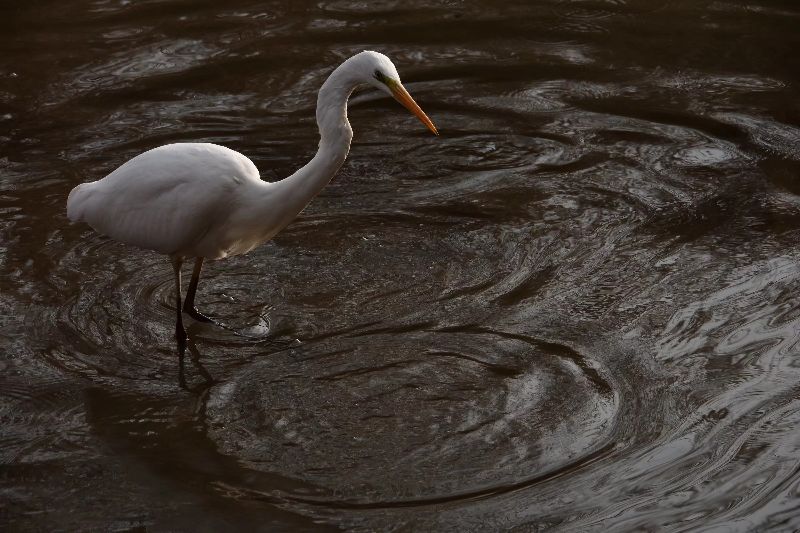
[{"x": 194, "y": 357}]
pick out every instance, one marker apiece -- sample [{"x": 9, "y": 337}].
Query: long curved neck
[{"x": 292, "y": 194}]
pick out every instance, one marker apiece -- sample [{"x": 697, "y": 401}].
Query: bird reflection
[
  {"x": 194, "y": 357},
  {"x": 255, "y": 335}
]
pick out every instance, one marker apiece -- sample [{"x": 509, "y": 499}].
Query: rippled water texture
[{"x": 577, "y": 309}]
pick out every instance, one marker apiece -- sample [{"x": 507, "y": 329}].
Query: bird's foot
[
  {"x": 258, "y": 333},
  {"x": 197, "y": 315}
]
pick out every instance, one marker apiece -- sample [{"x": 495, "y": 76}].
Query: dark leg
[
  {"x": 180, "y": 332},
  {"x": 188, "y": 304}
]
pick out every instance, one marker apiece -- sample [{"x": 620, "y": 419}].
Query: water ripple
[
  {"x": 450, "y": 395},
  {"x": 574, "y": 310}
]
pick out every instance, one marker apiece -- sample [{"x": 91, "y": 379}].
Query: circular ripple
[
  {"x": 111, "y": 315},
  {"x": 427, "y": 415}
]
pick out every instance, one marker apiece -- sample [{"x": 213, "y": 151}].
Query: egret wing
[{"x": 166, "y": 199}]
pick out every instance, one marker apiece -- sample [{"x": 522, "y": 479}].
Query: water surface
[{"x": 577, "y": 309}]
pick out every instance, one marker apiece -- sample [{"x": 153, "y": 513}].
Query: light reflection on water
[{"x": 575, "y": 309}]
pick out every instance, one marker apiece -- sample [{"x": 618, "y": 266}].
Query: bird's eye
[{"x": 380, "y": 77}]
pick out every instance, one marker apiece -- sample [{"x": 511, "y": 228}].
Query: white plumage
[
  {"x": 203, "y": 200},
  {"x": 179, "y": 199}
]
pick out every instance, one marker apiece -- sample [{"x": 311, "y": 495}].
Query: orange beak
[{"x": 402, "y": 96}]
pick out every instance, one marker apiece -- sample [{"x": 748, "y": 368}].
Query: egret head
[{"x": 378, "y": 71}]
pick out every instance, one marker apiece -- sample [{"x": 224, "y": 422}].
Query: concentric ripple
[{"x": 380, "y": 419}]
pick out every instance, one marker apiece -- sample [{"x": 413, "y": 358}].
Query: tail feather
[{"x": 76, "y": 202}]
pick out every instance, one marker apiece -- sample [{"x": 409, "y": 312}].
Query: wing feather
[{"x": 166, "y": 199}]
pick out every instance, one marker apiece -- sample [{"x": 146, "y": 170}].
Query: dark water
[{"x": 578, "y": 309}]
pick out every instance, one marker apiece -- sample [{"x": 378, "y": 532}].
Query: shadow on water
[{"x": 575, "y": 310}]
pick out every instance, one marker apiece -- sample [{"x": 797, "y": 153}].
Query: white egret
[{"x": 205, "y": 201}]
